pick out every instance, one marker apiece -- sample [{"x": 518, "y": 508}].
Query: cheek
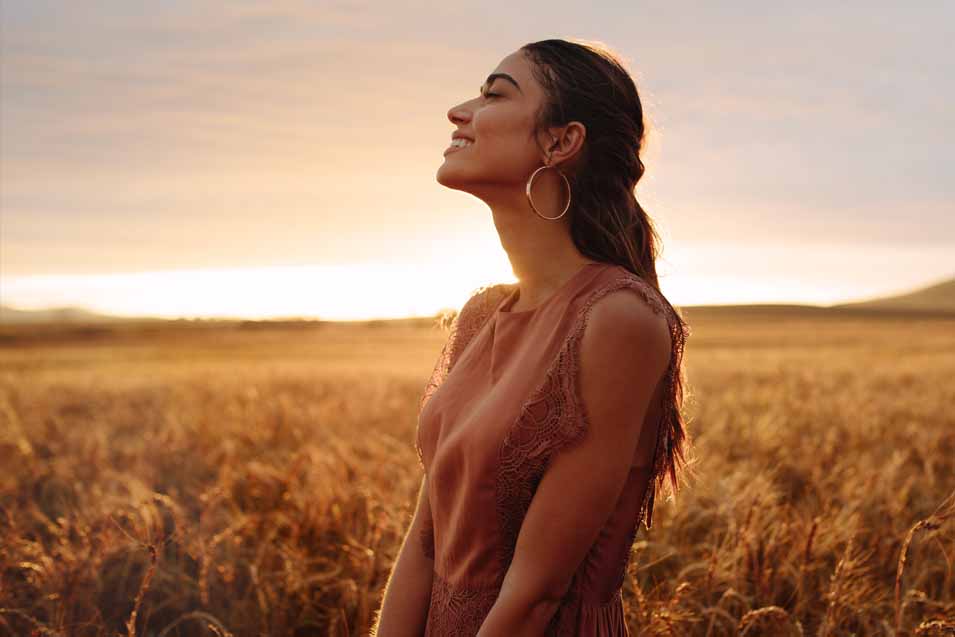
[{"x": 501, "y": 133}]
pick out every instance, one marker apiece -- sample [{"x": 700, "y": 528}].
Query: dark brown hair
[{"x": 588, "y": 83}]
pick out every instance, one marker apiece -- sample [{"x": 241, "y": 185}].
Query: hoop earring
[{"x": 530, "y": 182}]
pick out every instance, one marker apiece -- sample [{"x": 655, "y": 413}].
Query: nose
[{"x": 459, "y": 114}]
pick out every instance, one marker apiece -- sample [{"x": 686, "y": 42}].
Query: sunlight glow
[
  {"x": 353, "y": 292},
  {"x": 689, "y": 273}
]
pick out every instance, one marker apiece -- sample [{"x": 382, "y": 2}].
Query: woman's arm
[{"x": 404, "y": 609}]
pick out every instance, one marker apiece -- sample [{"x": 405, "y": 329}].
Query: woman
[{"x": 554, "y": 410}]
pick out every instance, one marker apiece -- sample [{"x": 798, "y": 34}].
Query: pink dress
[{"x": 501, "y": 401}]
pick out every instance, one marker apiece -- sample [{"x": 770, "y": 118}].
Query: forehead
[{"x": 518, "y": 67}]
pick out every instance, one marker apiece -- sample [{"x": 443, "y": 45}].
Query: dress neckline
[{"x": 512, "y": 298}]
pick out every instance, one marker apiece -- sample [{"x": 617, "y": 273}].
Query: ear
[{"x": 565, "y": 142}]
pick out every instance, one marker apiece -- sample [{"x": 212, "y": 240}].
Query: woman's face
[{"x": 499, "y": 123}]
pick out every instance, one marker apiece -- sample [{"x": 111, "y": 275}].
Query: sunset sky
[{"x": 190, "y": 158}]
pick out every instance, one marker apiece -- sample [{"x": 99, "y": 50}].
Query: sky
[{"x": 195, "y": 158}]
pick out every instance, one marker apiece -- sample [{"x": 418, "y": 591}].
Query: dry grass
[{"x": 226, "y": 481}]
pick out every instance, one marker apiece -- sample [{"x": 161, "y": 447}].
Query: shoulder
[
  {"x": 626, "y": 317},
  {"x": 485, "y": 299},
  {"x": 481, "y": 303}
]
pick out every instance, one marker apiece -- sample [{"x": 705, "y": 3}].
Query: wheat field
[{"x": 184, "y": 478}]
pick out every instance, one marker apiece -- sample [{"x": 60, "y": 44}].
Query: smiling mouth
[{"x": 456, "y": 147}]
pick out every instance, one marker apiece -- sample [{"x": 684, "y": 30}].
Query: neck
[{"x": 542, "y": 254}]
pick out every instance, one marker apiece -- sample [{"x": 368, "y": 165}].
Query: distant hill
[
  {"x": 53, "y": 315},
  {"x": 939, "y": 297}
]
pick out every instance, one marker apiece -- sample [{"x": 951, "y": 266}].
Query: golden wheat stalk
[
  {"x": 933, "y": 522},
  {"x": 774, "y": 615}
]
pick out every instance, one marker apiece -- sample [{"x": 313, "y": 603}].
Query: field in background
[{"x": 255, "y": 479}]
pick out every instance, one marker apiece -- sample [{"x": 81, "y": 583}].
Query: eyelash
[{"x": 489, "y": 94}]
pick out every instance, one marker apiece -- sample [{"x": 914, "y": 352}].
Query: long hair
[{"x": 587, "y": 82}]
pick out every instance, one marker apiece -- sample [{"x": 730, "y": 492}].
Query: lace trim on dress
[
  {"x": 457, "y": 610},
  {"x": 554, "y": 418}
]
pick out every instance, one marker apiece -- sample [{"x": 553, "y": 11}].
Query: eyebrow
[{"x": 503, "y": 76}]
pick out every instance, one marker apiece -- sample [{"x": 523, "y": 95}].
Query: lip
[{"x": 454, "y": 149}]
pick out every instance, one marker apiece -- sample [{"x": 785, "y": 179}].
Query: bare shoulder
[{"x": 629, "y": 319}]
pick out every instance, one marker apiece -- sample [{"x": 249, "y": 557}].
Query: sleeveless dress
[{"x": 500, "y": 403}]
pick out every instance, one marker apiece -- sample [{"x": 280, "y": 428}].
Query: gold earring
[{"x": 530, "y": 182}]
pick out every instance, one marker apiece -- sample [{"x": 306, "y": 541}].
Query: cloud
[{"x": 780, "y": 119}]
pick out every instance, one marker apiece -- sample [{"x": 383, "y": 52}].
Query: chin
[{"x": 451, "y": 177}]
